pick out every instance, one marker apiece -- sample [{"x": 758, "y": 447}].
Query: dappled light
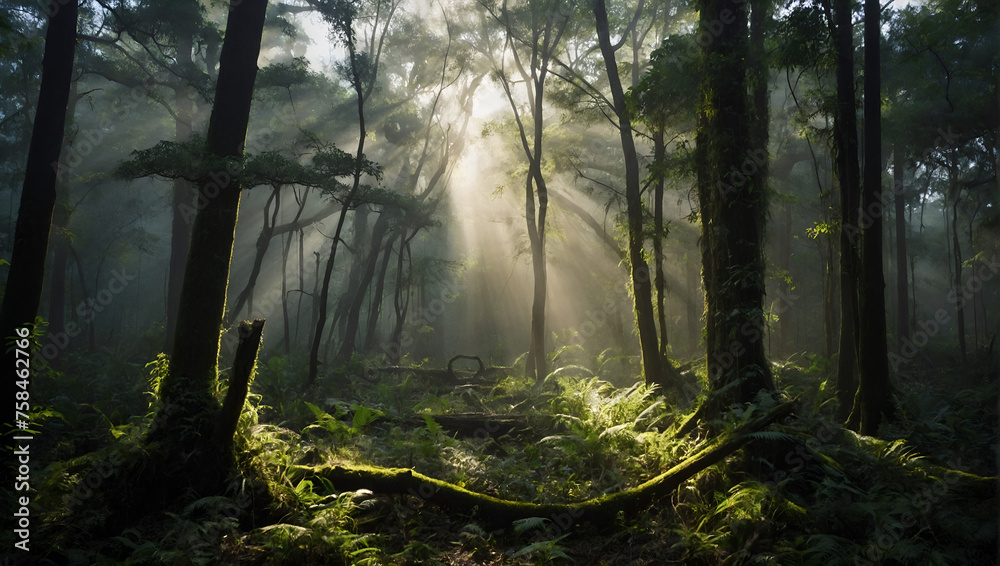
[{"x": 478, "y": 282}]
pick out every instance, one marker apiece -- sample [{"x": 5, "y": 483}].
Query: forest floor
[{"x": 804, "y": 491}]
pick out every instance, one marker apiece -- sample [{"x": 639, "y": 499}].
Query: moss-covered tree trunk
[
  {"x": 733, "y": 208},
  {"x": 188, "y": 392},
  {"x": 653, "y": 363}
]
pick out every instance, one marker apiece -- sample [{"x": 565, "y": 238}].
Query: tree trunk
[
  {"x": 659, "y": 153},
  {"x": 733, "y": 209},
  {"x": 181, "y": 197},
  {"x": 902, "y": 285},
  {"x": 188, "y": 391},
  {"x": 23, "y": 292},
  {"x": 652, "y": 363},
  {"x": 873, "y": 361},
  {"x": 262, "y": 245},
  {"x": 959, "y": 292},
  {"x": 848, "y": 175},
  {"x": 376, "y": 308},
  {"x": 401, "y": 304},
  {"x": 324, "y": 295},
  {"x": 370, "y": 263}
]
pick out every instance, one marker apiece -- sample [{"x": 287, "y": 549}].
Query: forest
[{"x": 491, "y": 282}]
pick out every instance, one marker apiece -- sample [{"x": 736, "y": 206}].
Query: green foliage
[{"x": 337, "y": 428}]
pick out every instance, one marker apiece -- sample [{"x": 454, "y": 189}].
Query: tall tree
[
  {"x": 361, "y": 69},
  {"x": 899, "y": 209},
  {"x": 733, "y": 206},
  {"x": 187, "y": 392},
  {"x": 23, "y": 291},
  {"x": 652, "y": 359},
  {"x": 848, "y": 174},
  {"x": 873, "y": 361},
  {"x": 536, "y": 27}
]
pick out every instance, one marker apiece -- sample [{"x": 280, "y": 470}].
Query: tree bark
[
  {"x": 733, "y": 209},
  {"x": 189, "y": 387},
  {"x": 849, "y": 182},
  {"x": 652, "y": 361},
  {"x": 23, "y": 292},
  {"x": 659, "y": 153},
  {"x": 902, "y": 285},
  {"x": 873, "y": 363},
  {"x": 241, "y": 375},
  {"x": 181, "y": 197}
]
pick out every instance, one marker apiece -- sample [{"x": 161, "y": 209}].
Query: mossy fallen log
[
  {"x": 498, "y": 512},
  {"x": 476, "y": 425},
  {"x": 484, "y": 373}
]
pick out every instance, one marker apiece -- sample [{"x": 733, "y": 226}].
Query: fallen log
[
  {"x": 498, "y": 513},
  {"x": 449, "y": 373},
  {"x": 478, "y": 425}
]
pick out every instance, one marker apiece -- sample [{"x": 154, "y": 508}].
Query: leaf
[
  {"x": 432, "y": 426},
  {"x": 363, "y": 416},
  {"x": 529, "y": 524}
]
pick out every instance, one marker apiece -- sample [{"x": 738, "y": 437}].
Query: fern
[{"x": 530, "y": 524}]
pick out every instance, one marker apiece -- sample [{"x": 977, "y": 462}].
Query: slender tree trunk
[
  {"x": 23, "y": 292},
  {"x": 181, "y": 198},
  {"x": 659, "y": 153},
  {"x": 401, "y": 304},
  {"x": 848, "y": 175},
  {"x": 959, "y": 296},
  {"x": 695, "y": 302},
  {"x": 286, "y": 333},
  {"x": 652, "y": 362},
  {"x": 263, "y": 243},
  {"x": 733, "y": 208},
  {"x": 370, "y": 263},
  {"x": 874, "y": 388},
  {"x": 376, "y": 307},
  {"x": 359, "y": 257},
  {"x": 902, "y": 285},
  {"x": 324, "y": 295},
  {"x": 188, "y": 390}
]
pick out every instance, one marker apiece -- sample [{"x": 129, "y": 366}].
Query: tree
[
  {"x": 361, "y": 71},
  {"x": 164, "y": 36},
  {"x": 537, "y": 28},
  {"x": 873, "y": 362},
  {"x": 848, "y": 175},
  {"x": 733, "y": 208},
  {"x": 187, "y": 393},
  {"x": 23, "y": 291},
  {"x": 653, "y": 359}
]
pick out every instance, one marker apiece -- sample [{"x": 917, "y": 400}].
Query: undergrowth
[{"x": 803, "y": 492}]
